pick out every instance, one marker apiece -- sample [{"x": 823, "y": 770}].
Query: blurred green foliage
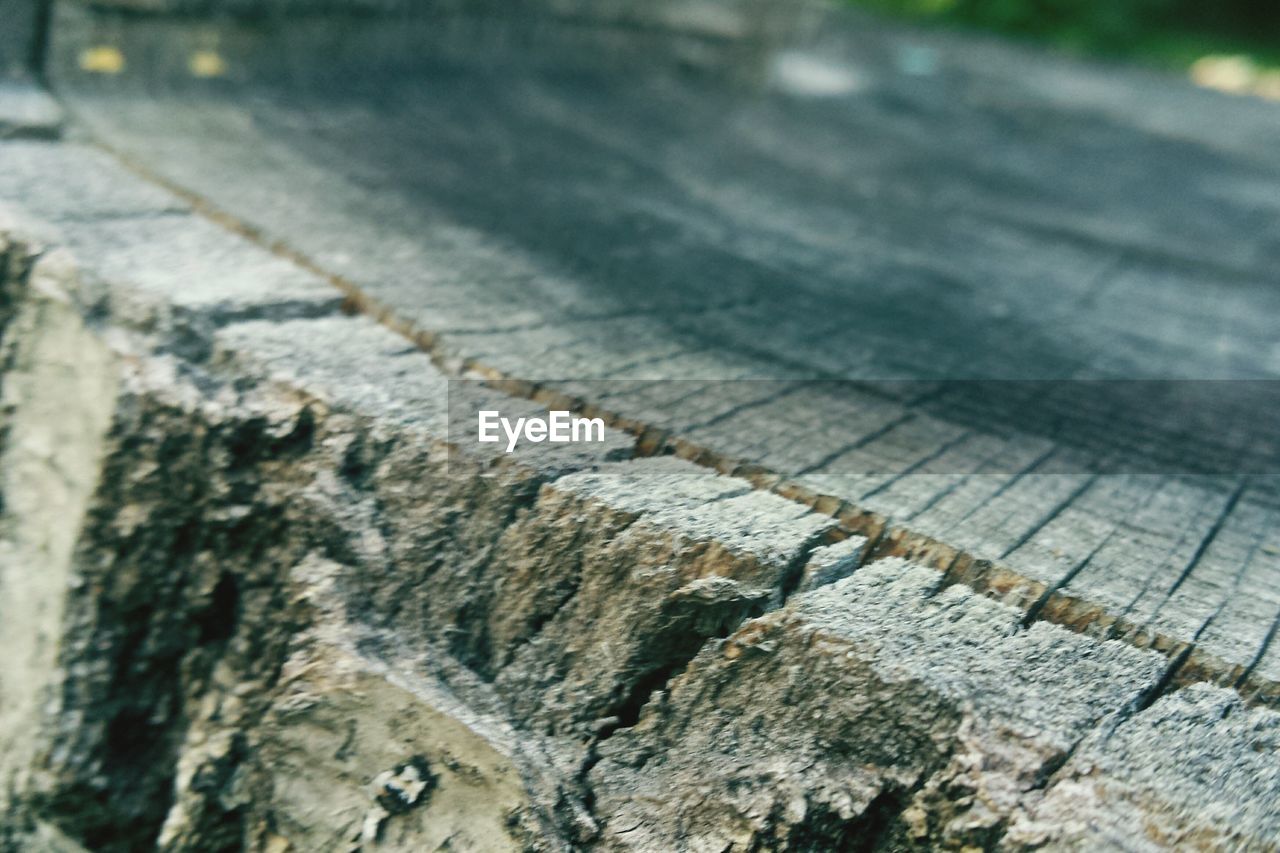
[{"x": 1167, "y": 31}]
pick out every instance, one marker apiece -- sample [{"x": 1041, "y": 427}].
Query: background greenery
[{"x": 1167, "y": 32}]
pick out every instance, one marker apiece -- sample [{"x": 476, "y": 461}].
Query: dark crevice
[
  {"x": 948, "y": 574},
  {"x": 587, "y": 794},
  {"x": 1050, "y": 516},
  {"x": 1209, "y": 538},
  {"x": 1034, "y": 611},
  {"x": 869, "y": 551},
  {"x": 278, "y": 312},
  {"x": 361, "y": 459},
  {"x": 15, "y": 268},
  {"x": 298, "y": 442},
  {"x": 1122, "y": 623},
  {"x": 932, "y": 456},
  {"x": 523, "y": 500},
  {"x": 1162, "y": 685},
  {"x": 1262, "y": 652},
  {"x": 1009, "y": 483},
  {"x": 475, "y": 648},
  {"x": 793, "y": 574},
  {"x": 627, "y": 712},
  {"x": 567, "y": 594},
  {"x": 861, "y": 442},
  {"x": 1053, "y": 765},
  {"x": 217, "y": 622},
  {"x": 787, "y": 389},
  {"x": 874, "y": 827}
]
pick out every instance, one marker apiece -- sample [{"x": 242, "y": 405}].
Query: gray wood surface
[{"x": 748, "y": 246}]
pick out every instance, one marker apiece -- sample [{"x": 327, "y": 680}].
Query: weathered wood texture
[
  {"x": 708, "y": 258},
  {"x": 258, "y": 556},
  {"x": 1000, "y": 214}
]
